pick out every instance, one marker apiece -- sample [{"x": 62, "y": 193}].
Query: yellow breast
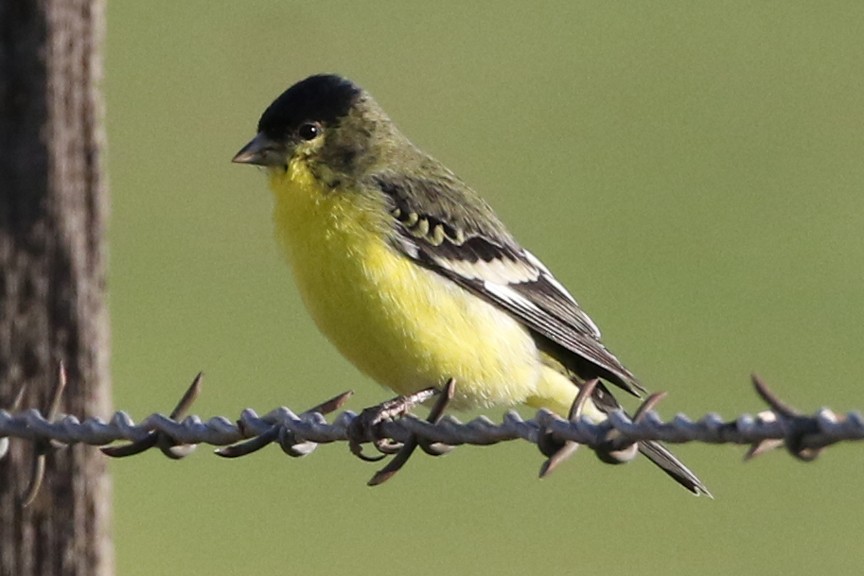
[{"x": 403, "y": 325}]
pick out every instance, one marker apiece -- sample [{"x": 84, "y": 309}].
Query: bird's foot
[{"x": 367, "y": 428}]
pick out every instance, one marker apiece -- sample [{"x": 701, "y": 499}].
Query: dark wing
[{"x": 443, "y": 225}]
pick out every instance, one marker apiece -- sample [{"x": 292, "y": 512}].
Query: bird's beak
[{"x": 261, "y": 151}]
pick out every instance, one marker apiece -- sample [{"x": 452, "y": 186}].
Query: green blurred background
[{"x": 692, "y": 171}]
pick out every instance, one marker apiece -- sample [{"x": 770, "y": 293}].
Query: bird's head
[{"x": 325, "y": 121}]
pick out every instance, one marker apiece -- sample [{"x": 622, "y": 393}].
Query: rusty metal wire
[{"x": 392, "y": 430}]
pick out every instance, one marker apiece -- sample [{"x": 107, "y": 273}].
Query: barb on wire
[
  {"x": 288, "y": 441},
  {"x": 169, "y": 447},
  {"x": 392, "y": 430},
  {"x": 558, "y": 451},
  {"x": 42, "y": 446}
]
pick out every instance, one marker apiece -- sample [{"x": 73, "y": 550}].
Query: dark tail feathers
[{"x": 663, "y": 458}]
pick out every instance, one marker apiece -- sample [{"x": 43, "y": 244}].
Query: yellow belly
[{"x": 406, "y": 327}]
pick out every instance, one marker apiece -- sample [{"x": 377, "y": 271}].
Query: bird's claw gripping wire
[
  {"x": 287, "y": 439},
  {"x": 411, "y": 444},
  {"x": 367, "y": 428},
  {"x": 166, "y": 444}
]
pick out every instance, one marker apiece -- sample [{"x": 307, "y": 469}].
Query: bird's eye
[{"x": 309, "y": 131}]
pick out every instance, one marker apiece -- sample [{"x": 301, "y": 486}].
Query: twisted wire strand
[
  {"x": 804, "y": 436},
  {"x": 823, "y": 428}
]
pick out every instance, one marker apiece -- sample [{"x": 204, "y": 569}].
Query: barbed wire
[{"x": 393, "y": 431}]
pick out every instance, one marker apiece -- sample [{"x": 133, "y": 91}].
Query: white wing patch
[
  {"x": 511, "y": 280},
  {"x": 499, "y": 270},
  {"x": 509, "y": 296}
]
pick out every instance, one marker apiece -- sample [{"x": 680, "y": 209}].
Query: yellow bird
[{"x": 410, "y": 273}]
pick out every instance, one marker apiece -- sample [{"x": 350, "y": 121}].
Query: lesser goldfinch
[{"x": 412, "y": 276}]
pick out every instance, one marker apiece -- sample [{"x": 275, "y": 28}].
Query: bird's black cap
[{"x": 323, "y": 98}]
